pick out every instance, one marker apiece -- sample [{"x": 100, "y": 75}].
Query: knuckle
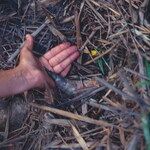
[
  {"x": 74, "y": 48},
  {"x": 51, "y": 63},
  {"x": 57, "y": 69},
  {"x": 63, "y": 45},
  {"x": 62, "y": 66}
]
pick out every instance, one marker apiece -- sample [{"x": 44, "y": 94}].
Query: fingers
[
  {"x": 65, "y": 72},
  {"x": 62, "y": 66},
  {"x": 59, "y": 59},
  {"x": 45, "y": 63},
  {"x": 56, "y": 50},
  {"x": 58, "y": 68},
  {"x": 62, "y": 56}
]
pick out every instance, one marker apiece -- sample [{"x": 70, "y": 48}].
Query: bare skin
[{"x": 29, "y": 73}]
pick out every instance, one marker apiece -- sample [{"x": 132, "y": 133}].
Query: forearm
[{"x": 13, "y": 81}]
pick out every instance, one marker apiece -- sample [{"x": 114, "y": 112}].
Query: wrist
[{"x": 30, "y": 78}]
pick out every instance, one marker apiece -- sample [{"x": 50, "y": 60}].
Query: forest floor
[{"x": 110, "y": 109}]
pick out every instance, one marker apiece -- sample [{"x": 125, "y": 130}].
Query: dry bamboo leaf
[
  {"x": 57, "y": 33},
  {"x": 133, "y": 5},
  {"x": 79, "y": 138},
  {"x": 132, "y": 145},
  {"x": 60, "y": 122},
  {"x": 84, "y": 84},
  {"x": 122, "y": 137},
  {"x": 49, "y": 96},
  {"x": 3, "y": 18},
  {"x": 72, "y": 116},
  {"x": 104, "y": 4},
  {"x": 96, "y": 12},
  {"x": 69, "y": 146},
  {"x": 103, "y": 24},
  {"x": 84, "y": 109}
]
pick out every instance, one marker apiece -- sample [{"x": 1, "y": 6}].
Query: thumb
[
  {"x": 28, "y": 44},
  {"x": 26, "y": 51}
]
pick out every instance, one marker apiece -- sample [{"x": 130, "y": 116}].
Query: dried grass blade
[
  {"x": 34, "y": 34},
  {"x": 57, "y": 32},
  {"x": 79, "y": 138},
  {"x": 105, "y": 5},
  {"x": 72, "y": 116},
  {"x": 60, "y": 122},
  {"x": 96, "y": 12},
  {"x": 141, "y": 103},
  {"x": 78, "y": 32},
  {"x": 69, "y": 146}
]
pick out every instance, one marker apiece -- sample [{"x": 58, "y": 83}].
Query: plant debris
[{"x": 110, "y": 107}]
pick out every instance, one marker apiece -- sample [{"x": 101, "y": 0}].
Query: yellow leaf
[{"x": 94, "y": 53}]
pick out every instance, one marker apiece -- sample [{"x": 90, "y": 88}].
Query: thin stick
[
  {"x": 139, "y": 100},
  {"x": 96, "y": 12},
  {"x": 136, "y": 73},
  {"x": 72, "y": 115},
  {"x": 57, "y": 33},
  {"x": 78, "y": 33},
  {"x": 89, "y": 38},
  {"x": 34, "y": 34},
  {"x": 100, "y": 56}
]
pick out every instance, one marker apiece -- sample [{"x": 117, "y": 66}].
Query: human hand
[
  {"x": 58, "y": 59},
  {"x": 30, "y": 67}
]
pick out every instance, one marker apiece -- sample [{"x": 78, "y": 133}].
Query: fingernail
[{"x": 28, "y": 39}]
